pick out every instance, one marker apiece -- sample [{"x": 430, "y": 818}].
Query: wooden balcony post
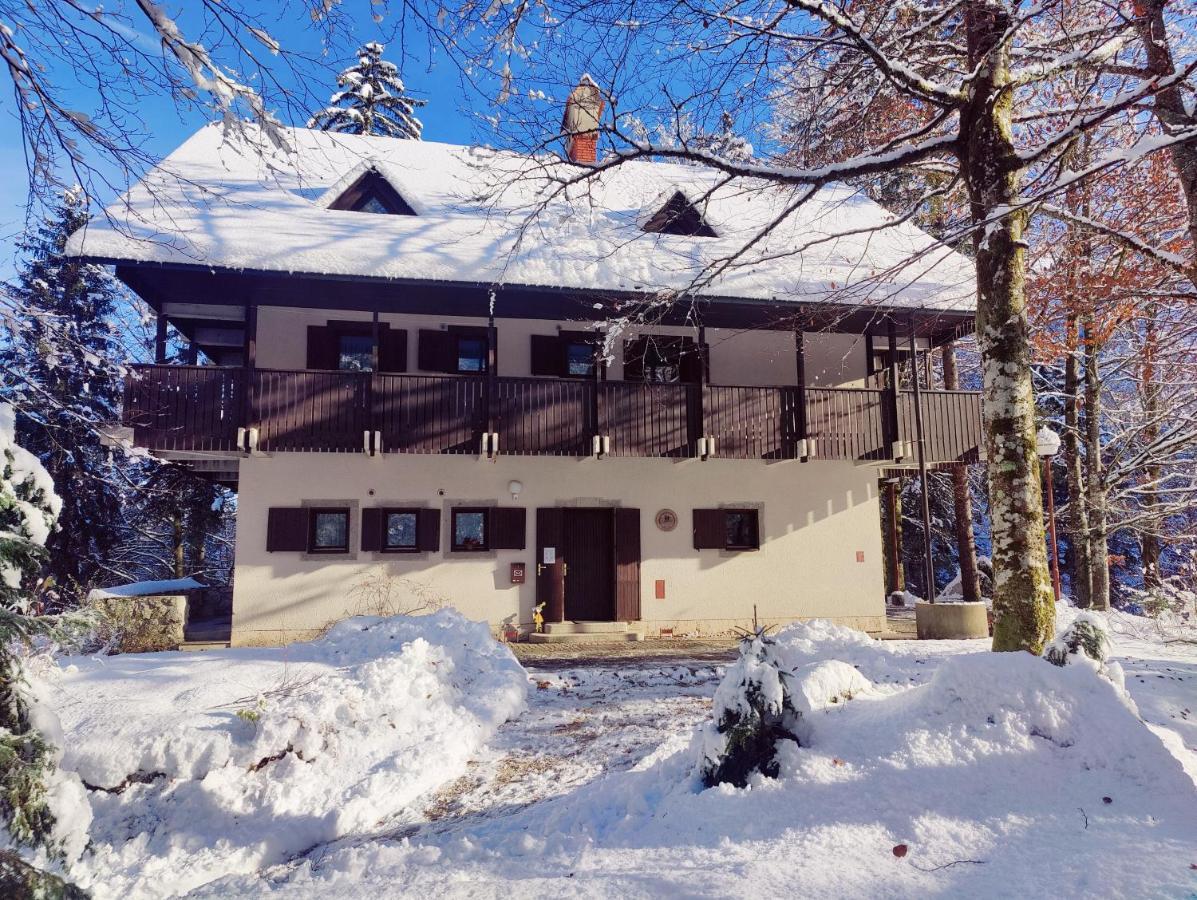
[
  {"x": 191, "y": 354},
  {"x": 251, "y": 335},
  {"x": 928, "y": 562},
  {"x": 160, "y": 338},
  {"x": 250, "y": 362},
  {"x": 891, "y": 388},
  {"x": 375, "y": 337},
  {"x": 800, "y": 423},
  {"x": 697, "y": 418},
  {"x": 492, "y": 372},
  {"x": 595, "y": 388}
]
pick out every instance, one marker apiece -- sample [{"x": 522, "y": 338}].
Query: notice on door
[{"x": 550, "y": 556}]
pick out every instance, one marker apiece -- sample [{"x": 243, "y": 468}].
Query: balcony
[{"x": 208, "y": 410}]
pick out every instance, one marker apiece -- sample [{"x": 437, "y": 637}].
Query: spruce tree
[
  {"x": 751, "y": 713},
  {"x": 28, "y": 509},
  {"x": 372, "y": 100},
  {"x": 58, "y": 369},
  {"x": 725, "y": 143}
]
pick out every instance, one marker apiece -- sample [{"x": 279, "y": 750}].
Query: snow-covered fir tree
[
  {"x": 58, "y": 369},
  {"x": 752, "y": 711},
  {"x": 31, "y": 787},
  {"x": 372, "y": 100}
]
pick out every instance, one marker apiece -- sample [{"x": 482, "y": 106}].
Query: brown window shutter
[
  {"x": 508, "y": 527},
  {"x": 428, "y": 530},
  {"x": 547, "y": 355},
  {"x": 392, "y": 350},
  {"x": 710, "y": 532},
  {"x": 322, "y": 347},
  {"x": 693, "y": 361},
  {"x": 372, "y": 529},
  {"x": 627, "y": 564},
  {"x": 633, "y": 359},
  {"x": 437, "y": 350},
  {"x": 286, "y": 529}
]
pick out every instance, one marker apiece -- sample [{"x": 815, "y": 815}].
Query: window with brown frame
[
  {"x": 328, "y": 530},
  {"x": 470, "y": 531},
  {"x": 400, "y": 530},
  {"x": 663, "y": 359},
  {"x": 742, "y": 529},
  {"x": 727, "y": 529},
  {"x": 372, "y": 193},
  {"x": 679, "y": 217},
  {"x": 458, "y": 350}
]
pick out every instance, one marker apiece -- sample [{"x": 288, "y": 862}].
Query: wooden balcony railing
[{"x": 201, "y": 408}]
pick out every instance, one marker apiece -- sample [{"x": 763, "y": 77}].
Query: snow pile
[
  {"x": 146, "y": 588},
  {"x": 1001, "y": 774},
  {"x": 204, "y": 765}
]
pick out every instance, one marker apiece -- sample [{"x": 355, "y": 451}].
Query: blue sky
[{"x": 427, "y": 73}]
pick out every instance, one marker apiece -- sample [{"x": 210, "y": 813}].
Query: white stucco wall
[
  {"x": 748, "y": 357},
  {"x": 815, "y": 518}
]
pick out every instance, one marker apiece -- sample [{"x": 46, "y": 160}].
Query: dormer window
[
  {"x": 681, "y": 217},
  {"x": 372, "y": 193}
]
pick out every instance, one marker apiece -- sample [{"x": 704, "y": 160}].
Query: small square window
[
  {"x": 355, "y": 353},
  {"x": 579, "y": 358},
  {"x": 469, "y": 530},
  {"x": 399, "y": 531},
  {"x": 471, "y": 354},
  {"x": 328, "y": 530},
  {"x": 742, "y": 529}
]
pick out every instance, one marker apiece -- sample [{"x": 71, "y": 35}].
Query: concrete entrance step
[
  {"x": 583, "y": 637},
  {"x": 615, "y": 628},
  {"x": 204, "y": 645}
]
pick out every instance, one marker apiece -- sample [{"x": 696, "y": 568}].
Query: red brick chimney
[{"x": 583, "y": 110}]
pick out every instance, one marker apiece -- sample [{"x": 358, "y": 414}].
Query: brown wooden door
[
  {"x": 588, "y": 545},
  {"x": 550, "y": 583},
  {"x": 550, "y": 590}
]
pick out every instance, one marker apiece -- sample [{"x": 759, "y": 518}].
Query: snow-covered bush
[
  {"x": 1086, "y": 634},
  {"x": 752, "y": 711}
]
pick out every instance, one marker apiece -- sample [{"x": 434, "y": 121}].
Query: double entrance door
[{"x": 588, "y": 563}]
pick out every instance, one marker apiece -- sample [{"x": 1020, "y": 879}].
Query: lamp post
[{"x": 1047, "y": 442}]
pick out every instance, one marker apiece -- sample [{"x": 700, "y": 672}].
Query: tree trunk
[
  {"x": 1078, "y": 515},
  {"x": 1169, "y": 104},
  {"x": 1149, "y": 534},
  {"x": 1095, "y": 489},
  {"x": 176, "y": 544},
  {"x": 1023, "y": 605},
  {"x": 962, "y": 500}
]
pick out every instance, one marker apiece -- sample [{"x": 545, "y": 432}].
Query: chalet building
[{"x": 441, "y": 369}]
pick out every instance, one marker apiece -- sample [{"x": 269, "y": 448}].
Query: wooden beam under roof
[{"x": 196, "y": 286}]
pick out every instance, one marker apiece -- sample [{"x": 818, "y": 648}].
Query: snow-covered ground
[
  {"x": 202, "y": 765},
  {"x": 1001, "y": 775}
]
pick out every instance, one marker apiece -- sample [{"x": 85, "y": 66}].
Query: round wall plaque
[{"x": 666, "y": 520}]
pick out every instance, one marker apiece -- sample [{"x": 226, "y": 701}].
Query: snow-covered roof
[
  {"x": 223, "y": 202},
  {"x": 146, "y": 588}
]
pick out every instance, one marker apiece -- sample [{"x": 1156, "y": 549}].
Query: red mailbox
[{"x": 519, "y": 573}]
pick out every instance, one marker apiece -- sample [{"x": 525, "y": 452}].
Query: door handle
[
  {"x": 539, "y": 569},
  {"x": 564, "y": 569}
]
